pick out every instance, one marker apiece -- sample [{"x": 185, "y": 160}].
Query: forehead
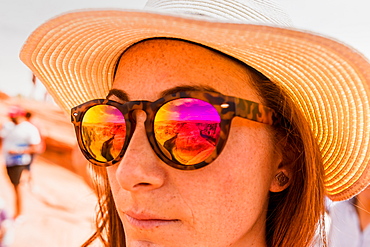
[{"x": 150, "y": 67}]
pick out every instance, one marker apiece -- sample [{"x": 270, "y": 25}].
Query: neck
[
  {"x": 363, "y": 211},
  {"x": 363, "y": 200}
]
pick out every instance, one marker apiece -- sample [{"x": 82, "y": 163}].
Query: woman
[
  {"x": 254, "y": 154},
  {"x": 180, "y": 81}
]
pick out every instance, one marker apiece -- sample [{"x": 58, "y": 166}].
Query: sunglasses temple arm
[{"x": 254, "y": 111}]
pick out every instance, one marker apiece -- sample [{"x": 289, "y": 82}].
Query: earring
[{"x": 282, "y": 178}]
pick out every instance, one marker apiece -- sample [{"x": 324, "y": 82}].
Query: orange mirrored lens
[
  {"x": 187, "y": 130},
  {"x": 103, "y": 132}
]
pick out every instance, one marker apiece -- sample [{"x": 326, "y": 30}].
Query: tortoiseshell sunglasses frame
[{"x": 227, "y": 107}]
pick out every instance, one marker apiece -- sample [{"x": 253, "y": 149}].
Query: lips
[{"x": 148, "y": 221}]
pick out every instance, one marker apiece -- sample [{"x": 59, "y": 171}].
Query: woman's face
[{"x": 222, "y": 204}]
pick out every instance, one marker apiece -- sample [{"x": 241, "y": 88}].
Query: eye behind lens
[
  {"x": 188, "y": 129},
  {"x": 103, "y": 132}
]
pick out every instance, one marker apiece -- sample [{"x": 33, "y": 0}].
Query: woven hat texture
[{"x": 75, "y": 55}]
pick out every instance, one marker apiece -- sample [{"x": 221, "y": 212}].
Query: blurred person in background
[
  {"x": 350, "y": 222},
  {"x": 40, "y": 148},
  {"x": 20, "y": 140}
]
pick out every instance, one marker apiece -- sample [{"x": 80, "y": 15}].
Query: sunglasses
[{"x": 186, "y": 130}]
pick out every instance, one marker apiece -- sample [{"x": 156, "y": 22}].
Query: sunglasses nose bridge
[{"x": 136, "y": 107}]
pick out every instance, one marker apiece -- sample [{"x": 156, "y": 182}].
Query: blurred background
[{"x": 59, "y": 203}]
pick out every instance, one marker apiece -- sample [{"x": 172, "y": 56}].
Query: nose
[{"x": 140, "y": 169}]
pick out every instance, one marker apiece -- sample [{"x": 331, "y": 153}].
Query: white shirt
[
  {"x": 6, "y": 128},
  {"x": 345, "y": 227},
  {"x": 19, "y": 137}
]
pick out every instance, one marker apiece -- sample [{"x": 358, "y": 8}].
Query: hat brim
[{"x": 75, "y": 56}]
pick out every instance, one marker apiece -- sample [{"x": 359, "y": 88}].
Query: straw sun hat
[{"x": 75, "y": 55}]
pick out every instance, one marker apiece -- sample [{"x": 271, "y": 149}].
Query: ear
[
  {"x": 281, "y": 180},
  {"x": 284, "y": 171}
]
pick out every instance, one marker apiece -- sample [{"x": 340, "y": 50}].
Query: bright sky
[{"x": 345, "y": 20}]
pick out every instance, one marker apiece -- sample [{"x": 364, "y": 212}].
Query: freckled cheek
[
  {"x": 230, "y": 198},
  {"x": 249, "y": 143},
  {"x": 238, "y": 181},
  {"x": 246, "y": 167},
  {"x": 111, "y": 172}
]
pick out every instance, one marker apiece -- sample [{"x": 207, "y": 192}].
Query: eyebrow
[
  {"x": 123, "y": 96},
  {"x": 188, "y": 88},
  {"x": 120, "y": 94}
]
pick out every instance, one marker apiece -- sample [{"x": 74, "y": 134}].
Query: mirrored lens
[
  {"x": 103, "y": 132},
  {"x": 187, "y": 130}
]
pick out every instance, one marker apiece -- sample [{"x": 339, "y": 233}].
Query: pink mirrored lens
[
  {"x": 187, "y": 130},
  {"x": 103, "y": 132}
]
